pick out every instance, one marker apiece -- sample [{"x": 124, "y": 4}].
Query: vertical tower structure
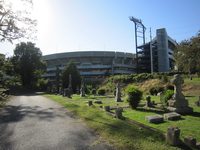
[
  {"x": 162, "y": 49},
  {"x": 139, "y": 35}
]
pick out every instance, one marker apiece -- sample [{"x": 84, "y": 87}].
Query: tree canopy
[
  {"x": 15, "y": 24},
  {"x": 187, "y": 55},
  {"x": 75, "y": 75},
  {"x": 28, "y": 63}
]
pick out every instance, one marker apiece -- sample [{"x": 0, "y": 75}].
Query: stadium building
[
  {"x": 98, "y": 64},
  {"x": 91, "y": 64}
]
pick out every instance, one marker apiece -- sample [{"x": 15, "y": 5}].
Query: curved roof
[{"x": 88, "y": 54}]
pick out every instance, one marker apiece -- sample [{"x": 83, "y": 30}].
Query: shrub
[
  {"x": 133, "y": 96},
  {"x": 93, "y": 91},
  {"x": 169, "y": 87},
  {"x": 101, "y": 91},
  {"x": 156, "y": 90},
  {"x": 166, "y": 95},
  {"x": 164, "y": 78}
]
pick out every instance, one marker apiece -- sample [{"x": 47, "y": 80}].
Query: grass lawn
[
  {"x": 189, "y": 124},
  {"x": 118, "y": 132}
]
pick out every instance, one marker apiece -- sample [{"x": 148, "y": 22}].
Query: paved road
[{"x": 33, "y": 122}]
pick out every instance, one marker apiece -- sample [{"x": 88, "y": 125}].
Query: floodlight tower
[{"x": 139, "y": 33}]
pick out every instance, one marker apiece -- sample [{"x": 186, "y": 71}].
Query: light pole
[{"x": 139, "y": 33}]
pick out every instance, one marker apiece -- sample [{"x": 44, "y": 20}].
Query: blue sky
[{"x": 76, "y": 25}]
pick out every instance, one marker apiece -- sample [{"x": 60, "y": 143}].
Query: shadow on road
[{"x": 12, "y": 114}]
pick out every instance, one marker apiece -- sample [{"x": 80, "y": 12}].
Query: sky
[{"x": 104, "y": 25}]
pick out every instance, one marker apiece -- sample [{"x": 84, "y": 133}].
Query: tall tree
[
  {"x": 28, "y": 63},
  {"x": 75, "y": 75},
  {"x": 187, "y": 55},
  {"x": 14, "y": 23}
]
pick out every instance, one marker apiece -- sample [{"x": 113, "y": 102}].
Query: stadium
[{"x": 91, "y": 64}]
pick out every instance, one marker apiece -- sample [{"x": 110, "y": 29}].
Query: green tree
[
  {"x": 187, "y": 55},
  {"x": 76, "y": 78},
  {"x": 15, "y": 24},
  {"x": 28, "y": 63}
]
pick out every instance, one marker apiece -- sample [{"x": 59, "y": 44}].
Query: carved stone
[
  {"x": 190, "y": 141},
  {"x": 178, "y": 103},
  {"x": 173, "y": 136},
  {"x": 118, "y": 113},
  {"x": 172, "y": 116},
  {"x": 107, "y": 108},
  {"x": 82, "y": 90},
  {"x": 118, "y": 93},
  {"x": 155, "y": 119}
]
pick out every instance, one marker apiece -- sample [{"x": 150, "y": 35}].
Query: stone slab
[
  {"x": 98, "y": 102},
  {"x": 155, "y": 119},
  {"x": 172, "y": 116}
]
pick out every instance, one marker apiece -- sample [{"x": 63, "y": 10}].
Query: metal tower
[{"x": 139, "y": 35}]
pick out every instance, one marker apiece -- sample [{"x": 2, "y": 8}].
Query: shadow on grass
[
  {"x": 151, "y": 110},
  {"x": 123, "y": 131}
]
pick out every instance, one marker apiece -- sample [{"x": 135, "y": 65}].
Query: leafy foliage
[
  {"x": 166, "y": 95},
  {"x": 75, "y": 75},
  {"x": 187, "y": 55},
  {"x": 101, "y": 91},
  {"x": 133, "y": 96},
  {"x": 156, "y": 90},
  {"x": 27, "y": 61},
  {"x": 15, "y": 24}
]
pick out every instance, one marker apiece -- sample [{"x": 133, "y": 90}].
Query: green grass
[
  {"x": 189, "y": 124},
  {"x": 118, "y": 132}
]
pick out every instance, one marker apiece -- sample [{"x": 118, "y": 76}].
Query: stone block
[
  {"x": 98, "y": 102},
  {"x": 172, "y": 116},
  {"x": 173, "y": 136},
  {"x": 107, "y": 108},
  {"x": 118, "y": 113},
  {"x": 89, "y": 103},
  {"x": 190, "y": 141},
  {"x": 155, "y": 119},
  {"x": 198, "y": 145}
]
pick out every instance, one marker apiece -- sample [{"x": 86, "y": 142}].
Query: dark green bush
[
  {"x": 133, "y": 96},
  {"x": 101, "y": 91},
  {"x": 94, "y": 91},
  {"x": 166, "y": 95},
  {"x": 169, "y": 87},
  {"x": 156, "y": 90}
]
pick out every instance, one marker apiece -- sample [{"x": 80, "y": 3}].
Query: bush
[
  {"x": 164, "y": 78},
  {"x": 167, "y": 95},
  {"x": 94, "y": 91},
  {"x": 133, "y": 96},
  {"x": 101, "y": 91},
  {"x": 169, "y": 87},
  {"x": 156, "y": 90}
]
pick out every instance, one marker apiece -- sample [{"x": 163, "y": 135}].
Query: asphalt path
[{"x": 33, "y": 122}]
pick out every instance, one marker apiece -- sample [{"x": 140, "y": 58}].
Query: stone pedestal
[
  {"x": 178, "y": 103},
  {"x": 107, "y": 108},
  {"x": 89, "y": 103},
  {"x": 148, "y": 102},
  {"x": 190, "y": 141},
  {"x": 173, "y": 136},
  {"x": 118, "y": 93},
  {"x": 118, "y": 113}
]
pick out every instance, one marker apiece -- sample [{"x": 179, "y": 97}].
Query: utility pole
[{"x": 151, "y": 55}]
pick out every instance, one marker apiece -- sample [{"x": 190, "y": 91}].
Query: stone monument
[
  {"x": 68, "y": 91},
  {"x": 118, "y": 93},
  {"x": 178, "y": 103},
  {"x": 82, "y": 90}
]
